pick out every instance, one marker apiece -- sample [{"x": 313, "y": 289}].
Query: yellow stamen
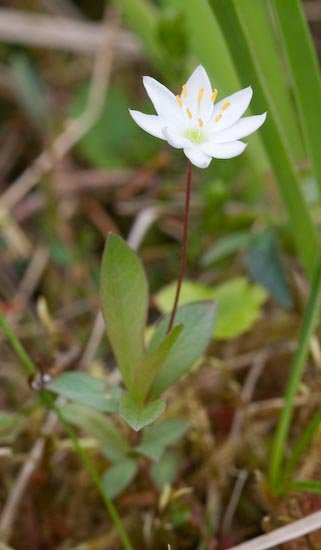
[
  {"x": 179, "y": 101},
  {"x": 200, "y": 94},
  {"x": 200, "y": 123},
  {"x": 225, "y": 105},
  {"x": 218, "y": 117},
  {"x": 189, "y": 114},
  {"x": 214, "y": 95},
  {"x": 184, "y": 90}
]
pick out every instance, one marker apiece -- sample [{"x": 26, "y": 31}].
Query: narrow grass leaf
[
  {"x": 310, "y": 318},
  {"x": 305, "y": 72},
  {"x": 238, "y": 36},
  {"x": 256, "y": 16},
  {"x": 302, "y": 444},
  {"x": 309, "y": 486}
]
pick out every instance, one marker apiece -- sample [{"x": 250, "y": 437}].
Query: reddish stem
[{"x": 182, "y": 267}]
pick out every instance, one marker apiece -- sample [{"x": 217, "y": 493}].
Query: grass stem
[{"x": 310, "y": 318}]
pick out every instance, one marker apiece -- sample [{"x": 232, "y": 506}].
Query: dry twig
[
  {"x": 61, "y": 33},
  {"x": 293, "y": 531},
  {"x": 12, "y": 505},
  {"x": 75, "y": 129}
]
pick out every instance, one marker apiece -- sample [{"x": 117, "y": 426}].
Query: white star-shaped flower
[{"x": 194, "y": 122}]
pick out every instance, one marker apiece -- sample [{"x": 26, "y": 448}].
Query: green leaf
[
  {"x": 157, "y": 438},
  {"x": 198, "y": 320},
  {"x": 164, "y": 472},
  {"x": 138, "y": 416},
  {"x": 238, "y": 303},
  {"x": 119, "y": 476},
  {"x": 147, "y": 372},
  {"x": 112, "y": 443},
  {"x": 87, "y": 390},
  {"x": 265, "y": 266},
  {"x": 124, "y": 297},
  {"x": 239, "y": 306},
  {"x": 11, "y": 425},
  {"x": 226, "y": 246}
]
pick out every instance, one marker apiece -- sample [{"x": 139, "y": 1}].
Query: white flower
[{"x": 193, "y": 121}]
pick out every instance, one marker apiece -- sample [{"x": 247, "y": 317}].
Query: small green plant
[
  {"x": 204, "y": 129},
  {"x": 147, "y": 371}
]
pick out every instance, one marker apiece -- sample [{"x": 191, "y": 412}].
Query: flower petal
[
  {"x": 242, "y": 128},
  {"x": 150, "y": 123},
  {"x": 164, "y": 101},
  {"x": 175, "y": 139},
  {"x": 223, "y": 150},
  {"x": 197, "y": 157},
  {"x": 198, "y": 80},
  {"x": 231, "y": 108}
]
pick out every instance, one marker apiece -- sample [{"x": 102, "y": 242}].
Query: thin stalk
[
  {"x": 302, "y": 443},
  {"x": 47, "y": 399},
  {"x": 182, "y": 267},
  {"x": 309, "y": 321}
]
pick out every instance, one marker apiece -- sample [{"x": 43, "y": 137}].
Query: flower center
[{"x": 195, "y": 135}]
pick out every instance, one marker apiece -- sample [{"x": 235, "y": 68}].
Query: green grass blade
[
  {"x": 302, "y": 444},
  {"x": 237, "y": 35},
  {"x": 308, "y": 486},
  {"x": 310, "y": 318},
  {"x": 305, "y": 74},
  {"x": 208, "y": 43},
  {"x": 257, "y": 17}
]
